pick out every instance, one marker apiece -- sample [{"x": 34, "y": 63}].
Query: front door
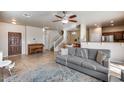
[{"x": 14, "y": 43}]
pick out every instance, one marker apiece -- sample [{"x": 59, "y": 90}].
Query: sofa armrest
[{"x": 106, "y": 62}]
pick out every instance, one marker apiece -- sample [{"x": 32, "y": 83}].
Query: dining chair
[{"x": 10, "y": 67}]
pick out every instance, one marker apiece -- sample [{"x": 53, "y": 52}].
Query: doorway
[
  {"x": 73, "y": 36},
  {"x": 14, "y": 43}
]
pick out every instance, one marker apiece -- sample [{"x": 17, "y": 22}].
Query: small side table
[
  {"x": 122, "y": 75},
  {"x": 116, "y": 68}
]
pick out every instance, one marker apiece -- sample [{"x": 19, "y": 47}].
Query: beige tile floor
[{"x": 29, "y": 62}]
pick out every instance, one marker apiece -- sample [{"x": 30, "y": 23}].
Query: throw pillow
[
  {"x": 64, "y": 51},
  {"x": 100, "y": 57},
  {"x": 84, "y": 53}
]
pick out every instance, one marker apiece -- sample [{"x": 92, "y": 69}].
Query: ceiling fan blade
[
  {"x": 72, "y": 16},
  {"x": 58, "y": 16},
  {"x": 56, "y": 20},
  {"x": 72, "y": 20}
]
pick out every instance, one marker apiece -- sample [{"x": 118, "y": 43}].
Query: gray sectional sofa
[{"x": 87, "y": 65}]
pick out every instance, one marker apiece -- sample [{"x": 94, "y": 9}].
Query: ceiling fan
[{"x": 65, "y": 18}]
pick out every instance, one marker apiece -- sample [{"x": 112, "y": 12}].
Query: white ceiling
[{"x": 45, "y": 18}]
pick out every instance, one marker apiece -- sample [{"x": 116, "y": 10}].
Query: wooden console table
[{"x": 35, "y": 48}]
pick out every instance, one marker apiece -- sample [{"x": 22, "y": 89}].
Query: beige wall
[
  {"x": 34, "y": 35},
  {"x": 83, "y": 33},
  {"x": 95, "y": 34},
  {"x": 27, "y": 37}
]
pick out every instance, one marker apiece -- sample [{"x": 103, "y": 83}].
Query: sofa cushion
[
  {"x": 100, "y": 57},
  {"x": 82, "y": 52},
  {"x": 71, "y": 51},
  {"x": 75, "y": 60},
  {"x": 92, "y": 54},
  {"x": 94, "y": 66},
  {"x": 88, "y": 65}
]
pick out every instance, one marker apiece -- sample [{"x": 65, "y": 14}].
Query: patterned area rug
[{"x": 52, "y": 72}]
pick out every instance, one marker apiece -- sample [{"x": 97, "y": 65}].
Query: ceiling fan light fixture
[{"x": 64, "y": 21}]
